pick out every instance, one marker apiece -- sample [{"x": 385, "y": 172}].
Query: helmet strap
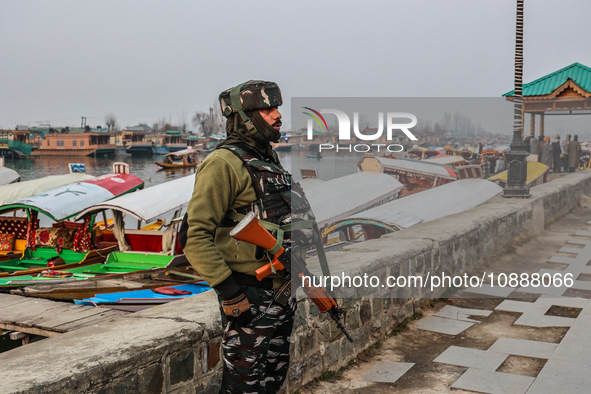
[{"x": 236, "y": 105}]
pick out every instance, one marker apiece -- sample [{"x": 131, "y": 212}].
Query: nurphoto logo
[{"x": 395, "y": 121}]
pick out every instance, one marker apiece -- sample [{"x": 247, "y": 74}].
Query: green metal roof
[{"x": 580, "y": 74}]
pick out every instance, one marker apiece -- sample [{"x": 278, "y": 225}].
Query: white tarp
[
  {"x": 446, "y": 160},
  {"x": 12, "y": 192},
  {"x": 418, "y": 166},
  {"x": 8, "y": 176},
  {"x": 65, "y": 201},
  {"x": 151, "y": 203},
  {"x": 341, "y": 197},
  {"x": 434, "y": 203}
]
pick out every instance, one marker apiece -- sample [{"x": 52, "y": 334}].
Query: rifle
[{"x": 250, "y": 230}]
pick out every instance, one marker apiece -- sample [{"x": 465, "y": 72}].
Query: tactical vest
[{"x": 280, "y": 200}]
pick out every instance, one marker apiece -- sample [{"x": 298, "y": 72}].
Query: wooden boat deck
[{"x": 48, "y": 318}]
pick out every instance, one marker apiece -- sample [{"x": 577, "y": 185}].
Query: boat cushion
[
  {"x": 62, "y": 238},
  {"x": 7, "y": 242},
  {"x": 17, "y": 226}
]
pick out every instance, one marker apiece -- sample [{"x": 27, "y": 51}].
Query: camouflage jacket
[{"x": 226, "y": 181}]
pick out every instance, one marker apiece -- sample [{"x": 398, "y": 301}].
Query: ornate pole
[{"x": 517, "y": 165}]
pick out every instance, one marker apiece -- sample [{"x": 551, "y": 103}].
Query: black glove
[{"x": 237, "y": 309}]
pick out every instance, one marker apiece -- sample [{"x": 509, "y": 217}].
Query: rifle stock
[{"x": 250, "y": 230}]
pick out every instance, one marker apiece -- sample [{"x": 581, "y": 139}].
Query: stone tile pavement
[{"x": 566, "y": 365}]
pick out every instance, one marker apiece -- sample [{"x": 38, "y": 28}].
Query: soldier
[{"x": 244, "y": 174}]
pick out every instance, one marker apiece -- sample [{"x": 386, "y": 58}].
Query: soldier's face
[{"x": 272, "y": 116}]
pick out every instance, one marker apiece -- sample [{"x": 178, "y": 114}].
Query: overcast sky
[{"x": 144, "y": 60}]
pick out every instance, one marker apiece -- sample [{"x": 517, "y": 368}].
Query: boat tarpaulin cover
[
  {"x": 434, "y": 203},
  {"x": 151, "y": 203},
  {"x": 423, "y": 167},
  {"x": 66, "y": 201},
  {"x": 9, "y": 193},
  {"x": 8, "y": 176},
  {"x": 344, "y": 196}
]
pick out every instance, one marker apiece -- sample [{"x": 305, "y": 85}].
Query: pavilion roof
[{"x": 578, "y": 73}]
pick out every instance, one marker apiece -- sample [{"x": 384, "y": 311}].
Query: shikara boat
[
  {"x": 453, "y": 161},
  {"x": 537, "y": 173},
  {"x": 64, "y": 241},
  {"x": 8, "y": 176},
  {"x": 136, "y": 300},
  {"x": 185, "y": 158},
  {"x": 137, "y": 280},
  {"x": 23, "y": 189},
  {"x": 415, "y": 175},
  {"x": 139, "y": 249},
  {"x": 421, "y": 207},
  {"x": 344, "y": 196}
]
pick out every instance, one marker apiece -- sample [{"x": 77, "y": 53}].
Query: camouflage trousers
[{"x": 256, "y": 356}]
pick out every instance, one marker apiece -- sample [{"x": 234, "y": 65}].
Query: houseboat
[
  {"x": 76, "y": 142},
  {"x": 137, "y": 140}
]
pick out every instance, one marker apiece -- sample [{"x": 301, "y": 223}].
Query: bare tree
[
  {"x": 201, "y": 120},
  {"x": 111, "y": 121}
]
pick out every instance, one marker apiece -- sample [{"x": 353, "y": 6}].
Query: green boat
[
  {"x": 144, "y": 249},
  {"x": 65, "y": 243}
]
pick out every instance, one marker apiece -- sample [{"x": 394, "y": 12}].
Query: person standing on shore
[
  {"x": 243, "y": 174},
  {"x": 574, "y": 154},
  {"x": 556, "y": 152},
  {"x": 565, "y": 153},
  {"x": 534, "y": 146},
  {"x": 547, "y": 153}
]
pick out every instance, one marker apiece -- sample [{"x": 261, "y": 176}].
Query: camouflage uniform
[
  {"x": 256, "y": 356},
  {"x": 250, "y": 178}
]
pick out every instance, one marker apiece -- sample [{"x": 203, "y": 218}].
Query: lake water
[{"x": 330, "y": 166}]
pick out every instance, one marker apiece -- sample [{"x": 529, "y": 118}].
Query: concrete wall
[{"x": 176, "y": 347}]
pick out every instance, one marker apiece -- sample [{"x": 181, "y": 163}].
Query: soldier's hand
[{"x": 237, "y": 309}]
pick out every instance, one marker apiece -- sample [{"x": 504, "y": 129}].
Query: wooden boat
[
  {"x": 415, "y": 175},
  {"x": 537, "y": 173},
  {"x": 421, "y": 207},
  {"x": 136, "y": 300},
  {"x": 453, "y": 161},
  {"x": 185, "y": 158},
  {"x": 22, "y": 189},
  {"x": 67, "y": 240},
  {"x": 420, "y": 153},
  {"x": 138, "y": 280},
  {"x": 344, "y": 196},
  {"x": 8, "y": 176},
  {"x": 139, "y": 250},
  {"x": 281, "y": 146}
]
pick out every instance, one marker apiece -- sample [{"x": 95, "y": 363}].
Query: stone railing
[{"x": 176, "y": 347}]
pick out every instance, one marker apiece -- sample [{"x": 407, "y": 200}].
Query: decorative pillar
[
  {"x": 542, "y": 124},
  {"x": 517, "y": 165},
  {"x": 532, "y": 125}
]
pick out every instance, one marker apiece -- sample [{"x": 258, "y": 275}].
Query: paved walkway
[{"x": 498, "y": 340}]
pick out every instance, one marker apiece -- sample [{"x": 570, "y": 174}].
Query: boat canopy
[
  {"x": 341, "y": 197},
  {"x": 183, "y": 152},
  {"x": 8, "y": 176},
  {"x": 66, "y": 201},
  {"x": 9, "y": 193},
  {"x": 534, "y": 171},
  {"x": 446, "y": 160},
  {"x": 151, "y": 203},
  {"x": 407, "y": 166},
  {"x": 425, "y": 206}
]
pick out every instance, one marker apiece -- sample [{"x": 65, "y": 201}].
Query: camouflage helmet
[{"x": 250, "y": 95}]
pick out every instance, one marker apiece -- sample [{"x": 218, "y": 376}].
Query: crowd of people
[{"x": 558, "y": 156}]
